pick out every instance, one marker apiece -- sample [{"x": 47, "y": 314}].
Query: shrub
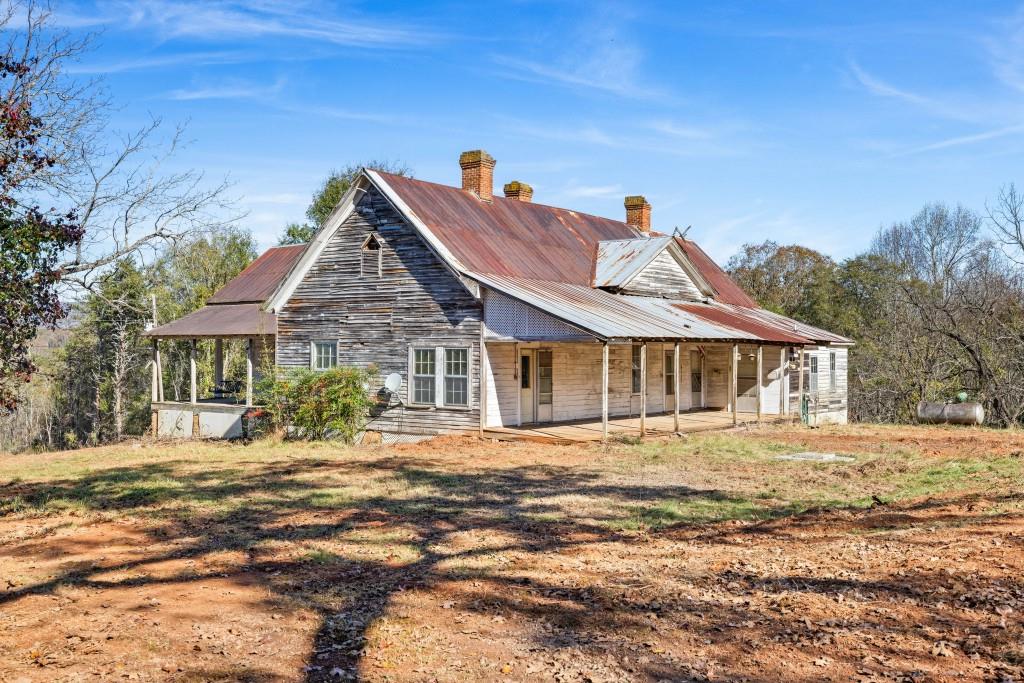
[{"x": 318, "y": 405}]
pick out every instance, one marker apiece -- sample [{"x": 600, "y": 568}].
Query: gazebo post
[
  {"x": 249, "y": 363},
  {"x": 193, "y": 370},
  {"x": 218, "y": 366}
]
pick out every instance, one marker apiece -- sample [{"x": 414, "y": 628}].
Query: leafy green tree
[{"x": 329, "y": 194}]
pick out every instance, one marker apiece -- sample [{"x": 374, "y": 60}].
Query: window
[
  {"x": 832, "y": 371},
  {"x": 423, "y": 376},
  {"x": 670, "y": 373},
  {"x": 371, "y": 258},
  {"x": 636, "y": 368},
  {"x": 812, "y": 384},
  {"x": 324, "y": 355},
  {"x": 440, "y": 376},
  {"x": 456, "y": 377},
  {"x": 544, "y": 378},
  {"x": 525, "y": 374}
]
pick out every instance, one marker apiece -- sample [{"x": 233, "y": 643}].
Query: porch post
[
  {"x": 159, "y": 371},
  {"x": 250, "y": 361},
  {"x": 733, "y": 383},
  {"x": 193, "y": 389},
  {"x": 604, "y": 391},
  {"x": 218, "y": 365},
  {"x": 484, "y": 369},
  {"x": 783, "y": 381},
  {"x": 643, "y": 388},
  {"x": 760, "y": 369},
  {"x": 156, "y": 374},
  {"x": 800, "y": 388},
  {"x": 675, "y": 387}
]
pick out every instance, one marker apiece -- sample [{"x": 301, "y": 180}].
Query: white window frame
[
  {"x": 812, "y": 374},
  {"x": 314, "y": 356},
  {"x": 440, "y": 367},
  {"x": 374, "y": 238},
  {"x": 447, "y": 376}
]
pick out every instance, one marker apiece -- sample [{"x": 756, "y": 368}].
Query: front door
[
  {"x": 696, "y": 379},
  {"x": 527, "y": 387},
  {"x": 746, "y": 382}
]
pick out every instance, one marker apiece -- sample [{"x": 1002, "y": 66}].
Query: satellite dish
[{"x": 393, "y": 382}]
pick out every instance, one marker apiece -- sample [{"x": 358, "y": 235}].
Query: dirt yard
[{"x": 704, "y": 558}]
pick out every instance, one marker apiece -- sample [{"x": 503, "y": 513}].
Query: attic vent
[{"x": 371, "y": 258}]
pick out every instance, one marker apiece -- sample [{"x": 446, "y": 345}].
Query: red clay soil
[{"x": 927, "y": 590}]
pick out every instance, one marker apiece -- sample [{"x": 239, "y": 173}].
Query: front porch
[{"x": 576, "y": 431}]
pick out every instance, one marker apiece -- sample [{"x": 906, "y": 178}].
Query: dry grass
[{"x": 454, "y": 560}]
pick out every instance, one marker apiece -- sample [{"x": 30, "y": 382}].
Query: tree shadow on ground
[{"x": 353, "y": 503}]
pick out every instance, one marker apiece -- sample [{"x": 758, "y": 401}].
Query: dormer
[{"x": 648, "y": 266}]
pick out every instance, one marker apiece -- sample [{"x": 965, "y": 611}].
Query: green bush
[{"x": 318, "y": 405}]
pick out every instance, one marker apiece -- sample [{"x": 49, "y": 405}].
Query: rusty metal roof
[
  {"x": 260, "y": 278},
  {"x": 618, "y": 261},
  {"x": 222, "y": 320},
  {"x": 744, "y": 323},
  {"x": 535, "y": 241},
  {"x": 509, "y": 237}
]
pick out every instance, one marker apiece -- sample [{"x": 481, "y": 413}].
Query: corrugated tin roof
[
  {"x": 618, "y": 261},
  {"x": 222, "y": 320},
  {"x": 614, "y": 316},
  {"x": 260, "y": 279}
]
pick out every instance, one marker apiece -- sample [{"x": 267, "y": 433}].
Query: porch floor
[{"x": 660, "y": 424}]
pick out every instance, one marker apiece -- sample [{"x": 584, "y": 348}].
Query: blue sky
[{"x": 809, "y": 122}]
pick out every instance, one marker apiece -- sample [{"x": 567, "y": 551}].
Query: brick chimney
[
  {"x": 638, "y": 213},
  {"x": 478, "y": 173},
  {"x": 519, "y": 191}
]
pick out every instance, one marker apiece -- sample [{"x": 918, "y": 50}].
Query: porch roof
[
  {"x": 616, "y": 317},
  {"x": 219, "y": 320}
]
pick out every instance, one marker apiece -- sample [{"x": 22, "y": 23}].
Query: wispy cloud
[
  {"x": 961, "y": 140},
  {"x": 596, "y": 56},
  {"x": 684, "y": 132},
  {"x": 161, "y": 62},
  {"x": 228, "y": 90},
  {"x": 219, "y": 20},
  {"x": 878, "y": 87}
]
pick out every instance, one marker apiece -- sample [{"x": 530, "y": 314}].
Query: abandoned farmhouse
[{"x": 496, "y": 314}]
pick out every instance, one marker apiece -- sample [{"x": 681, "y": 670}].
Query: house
[{"x": 497, "y": 313}]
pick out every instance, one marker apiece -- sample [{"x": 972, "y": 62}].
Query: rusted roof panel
[
  {"x": 735, "y": 318},
  {"x": 815, "y": 334},
  {"x": 509, "y": 237},
  {"x": 260, "y": 278},
  {"x": 726, "y": 289},
  {"x": 618, "y": 261},
  {"x": 224, "y": 320}
]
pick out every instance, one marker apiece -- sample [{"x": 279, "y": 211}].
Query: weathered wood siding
[
  {"x": 664, "y": 277},
  {"x": 415, "y": 302},
  {"x": 827, "y": 404}
]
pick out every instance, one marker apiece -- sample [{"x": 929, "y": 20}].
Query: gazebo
[{"x": 235, "y": 312}]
